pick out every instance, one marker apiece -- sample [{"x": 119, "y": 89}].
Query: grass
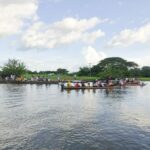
[
  {"x": 69, "y": 77},
  {"x": 144, "y": 78},
  {"x": 62, "y": 77}
]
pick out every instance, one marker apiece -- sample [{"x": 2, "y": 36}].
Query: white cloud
[
  {"x": 141, "y": 61},
  {"x": 66, "y": 31},
  {"x": 48, "y": 64},
  {"x": 92, "y": 56},
  {"x": 13, "y": 14},
  {"x": 128, "y": 37}
]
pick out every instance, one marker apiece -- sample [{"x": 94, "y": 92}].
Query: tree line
[
  {"x": 18, "y": 68},
  {"x": 114, "y": 67}
]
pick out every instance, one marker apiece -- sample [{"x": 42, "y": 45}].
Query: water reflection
[
  {"x": 43, "y": 117},
  {"x": 112, "y": 92}
]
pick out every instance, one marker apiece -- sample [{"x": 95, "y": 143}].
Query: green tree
[
  {"x": 13, "y": 67},
  {"x": 96, "y": 69},
  {"x": 114, "y": 67},
  {"x": 136, "y": 72},
  {"x": 62, "y": 71},
  {"x": 145, "y": 71},
  {"x": 84, "y": 71},
  {"x": 116, "y": 62}
]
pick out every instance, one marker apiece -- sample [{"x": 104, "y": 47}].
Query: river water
[{"x": 42, "y": 117}]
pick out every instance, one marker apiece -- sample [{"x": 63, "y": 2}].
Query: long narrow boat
[
  {"x": 135, "y": 84},
  {"x": 105, "y": 87},
  {"x": 87, "y": 87}
]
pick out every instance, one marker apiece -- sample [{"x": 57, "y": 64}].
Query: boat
[
  {"x": 135, "y": 84},
  {"x": 87, "y": 87},
  {"x": 95, "y": 87}
]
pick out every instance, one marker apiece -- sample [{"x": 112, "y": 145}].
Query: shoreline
[
  {"x": 28, "y": 82},
  {"x": 50, "y": 82}
]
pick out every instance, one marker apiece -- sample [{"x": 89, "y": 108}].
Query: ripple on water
[{"x": 44, "y": 118}]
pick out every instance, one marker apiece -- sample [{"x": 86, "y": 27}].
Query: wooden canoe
[{"x": 88, "y": 87}]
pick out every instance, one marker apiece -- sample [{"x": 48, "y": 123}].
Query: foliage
[
  {"x": 96, "y": 69},
  {"x": 62, "y": 71},
  {"x": 145, "y": 71},
  {"x": 116, "y": 62},
  {"x": 114, "y": 72},
  {"x": 84, "y": 71},
  {"x": 114, "y": 67},
  {"x": 144, "y": 78},
  {"x": 136, "y": 72},
  {"x": 47, "y": 72},
  {"x": 13, "y": 67}
]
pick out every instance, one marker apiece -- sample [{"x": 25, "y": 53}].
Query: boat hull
[{"x": 83, "y": 88}]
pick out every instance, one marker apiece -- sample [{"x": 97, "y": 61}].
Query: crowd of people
[
  {"x": 21, "y": 78},
  {"x": 101, "y": 83}
]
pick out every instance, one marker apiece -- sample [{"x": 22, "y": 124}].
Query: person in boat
[
  {"x": 94, "y": 84},
  {"x": 116, "y": 81},
  {"x": 77, "y": 85},
  {"x": 68, "y": 84},
  {"x": 110, "y": 83},
  {"x": 99, "y": 83},
  {"x": 107, "y": 81},
  {"x": 141, "y": 83},
  {"x": 127, "y": 80},
  {"x": 103, "y": 84},
  {"x": 88, "y": 84},
  {"x": 62, "y": 85},
  {"x": 121, "y": 82},
  {"x": 82, "y": 84}
]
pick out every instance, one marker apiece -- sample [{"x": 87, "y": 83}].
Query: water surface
[{"x": 42, "y": 117}]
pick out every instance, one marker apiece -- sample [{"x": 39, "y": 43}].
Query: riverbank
[
  {"x": 28, "y": 82},
  {"x": 144, "y": 78},
  {"x": 60, "y": 77},
  {"x": 70, "y": 77},
  {"x": 55, "y": 81}
]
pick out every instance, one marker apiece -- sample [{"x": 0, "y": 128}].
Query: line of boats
[{"x": 77, "y": 85}]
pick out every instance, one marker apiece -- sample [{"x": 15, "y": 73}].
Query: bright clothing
[{"x": 68, "y": 84}]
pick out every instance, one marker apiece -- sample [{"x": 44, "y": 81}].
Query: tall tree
[
  {"x": 13, "y": 67},
  {"x": 145, "y": 71},
  {"x": 136, "y": 72},
  {"x": 84, "y": 71},
  {"x": 115, "y": 67},
  {"x": 62, "y": 71}
]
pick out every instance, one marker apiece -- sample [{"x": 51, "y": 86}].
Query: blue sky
[{"x": 49, "y": 34}]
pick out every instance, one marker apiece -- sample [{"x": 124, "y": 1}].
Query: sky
[{"x": 51, "y": 34}]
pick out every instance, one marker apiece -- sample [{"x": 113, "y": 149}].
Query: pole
[{"x": 90, "y": 68}]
